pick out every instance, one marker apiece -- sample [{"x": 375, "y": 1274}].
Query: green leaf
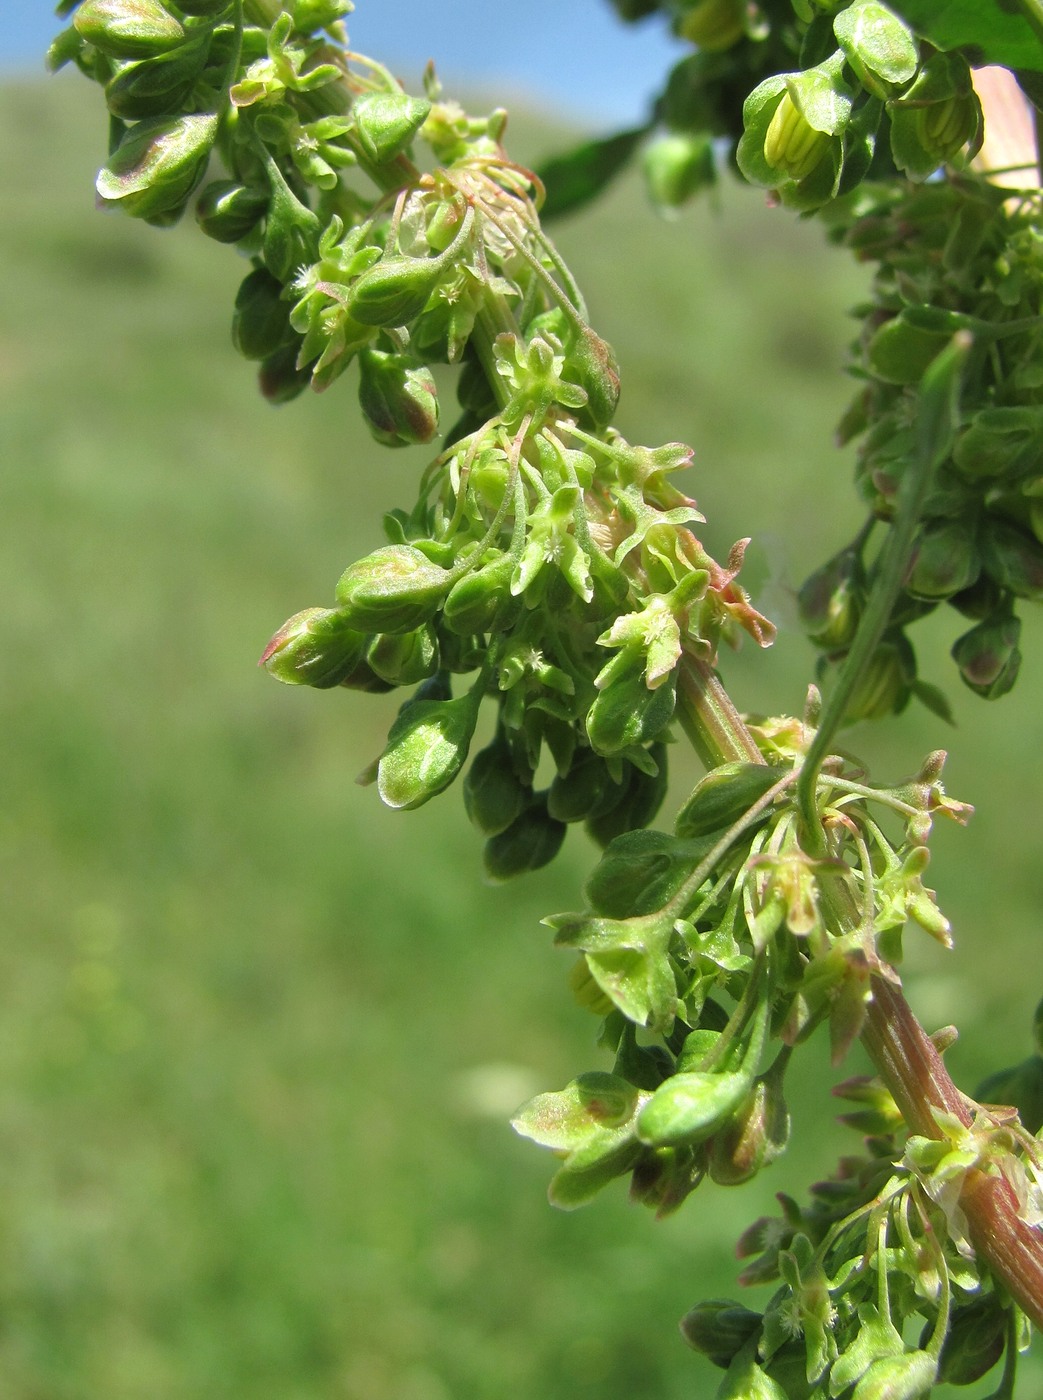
[
  {"x": 574, "y": 179},
  {"x": 987, "y": 30}
]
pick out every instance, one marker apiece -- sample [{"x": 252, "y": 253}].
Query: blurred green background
[{"x": 260, "y": 1037}]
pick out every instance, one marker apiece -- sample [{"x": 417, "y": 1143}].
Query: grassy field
[{"x": 260, "y": 1037}]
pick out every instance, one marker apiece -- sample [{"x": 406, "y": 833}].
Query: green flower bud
[
  {"x": 792, "y": 146},
  {"x": 640, "y": 871},
  {"x": 689, "y": 1108},
  {"x": 880, "y": 48},
  {"x": 531, "y": 841},
  {"x": 626, "y": 712},
  {"x": 718, "y": 1328},
  {"x": 946, "y": 560},
  {"x": 155, "y": 87},
  {"x": 713, "y": 25},
  {"x": 902, "y": 348},
  {"x": 314, "y": 647},
  {"x": 405, "y": 658},
  {"x": 228, "y": 211},
  {"x": 756, "y": 1135},
  {"x": 575, "y": 793},
  {"x": 885, "y": 685},
  {"x": 905, "y": 1377},
  {"x": 640, "y": 797},
  {"x": 723, "y": 796},
  {"x": 387, "y": 122},
  {"x": 494, "y": 794},
  {"x": 988, "y": 655},
  {"x": 678, "y": 165},
  {"x": 976, "y": 1340},
  {"x": 395, "y": 290},
  {"x": 128, "y": 28},
  {"x": 427, "y": 746},
  {"x": 482, "y": 601},
  {"x": 398, "y": 398},
  {"x": 154, "y": 169},
  {"x": 1013, "y": 558},
  {"x": 310, "y": 15},
  {"x": 261, "y": 319},
  {"x": 830, "y": 601},
  {"x": 395, "y": 589},
  {"x": 592, "y": 364}
]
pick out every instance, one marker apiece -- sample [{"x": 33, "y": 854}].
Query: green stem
[{"x": 933, "y": 440}]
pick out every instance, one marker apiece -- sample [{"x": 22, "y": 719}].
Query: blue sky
[{"x": 573, "y": 56}]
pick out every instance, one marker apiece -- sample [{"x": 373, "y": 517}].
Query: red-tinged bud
[
  {"x": 156, "y": 87},
  {"x": 156, "y": 166},
  {"x": 988, "y": 655},
  {"x": 394, "y": 589},
  {"x": 315, "y": 647},
  {"x": 128, "y": 28},
  {"x": 398, "y": 398}
]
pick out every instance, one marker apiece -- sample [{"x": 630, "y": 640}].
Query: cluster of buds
[
  {"x": 700, "y": 944},
  {"x": 951, "y": 256},
  {"x": 816, "y": 133}
]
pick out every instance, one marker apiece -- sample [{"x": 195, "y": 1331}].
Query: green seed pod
[
  {"x": 591, "y": 363},
  {"x": 482, "y": 601},
  {"x": 988, "y": 655},
  {"x": 902, "y": 348},
  {"x": 640, "y": 796},
  {"x": 905, "y": 1377},
  {"x": 718, "y": 1328},
  {"x": 886, "y": 683},
  {"x": 575, "y": 793},
  {"x": 387, "y": 122},
  {"x": 944, "y": 128},
  {"x": 626, "y": 712},
  {"x": 946, "y": 560},
  {"x": 531, "y": 841},
  {"x": 315, "y": 647},
  {"x": 494, "y": 794},
  {"x": 976, "y": 1340},
  {"x": 427, "y": 746},
  {"x": 227, "y": 211},
  {"x": 128, "y": 28},
  {"x": 1013, "y": 558},
  {"x": 156, "y": 166},
  {"x": 156, "y": 87},
  {"x": 831, "y": 601},
  {"x": 712, "y": 25},
  {"x": 792, "y": 146},
  {"x": 261, "y": 319},
  {"x": 398, "y": 398},
  {"x": 394, "y": 589},
  {"x": 405, "y": 658},
  {"x": 723, "y": 796},
  {"x": 394, "y": 291},
  {"x": 640, "y": 871},
  {"x": 677, "y": 165},
  {"x": 689, "y": 1108}
]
